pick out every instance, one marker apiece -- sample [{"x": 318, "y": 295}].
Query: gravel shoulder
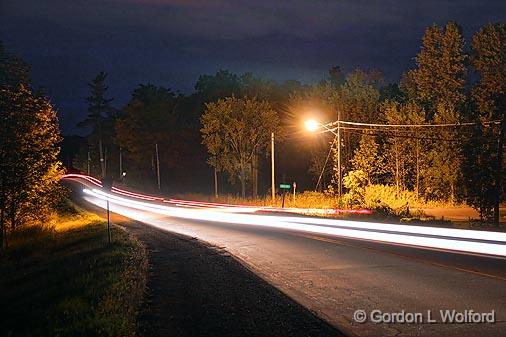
[{"x": 195, "y": 289}]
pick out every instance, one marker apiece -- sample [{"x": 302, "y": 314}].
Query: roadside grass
[
  {"x": 386, "y": 206},
  {"x": 63, "y": 279},
  {"x": 374, "y": 196}
]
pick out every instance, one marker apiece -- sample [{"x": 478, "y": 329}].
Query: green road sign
[{"x": 285, "y": 186}]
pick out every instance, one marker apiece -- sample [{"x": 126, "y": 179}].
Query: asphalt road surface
[{"x": 334, "y": 276}]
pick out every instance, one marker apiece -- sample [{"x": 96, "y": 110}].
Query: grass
[
  {"x": 63, "y": 279},
  {"x": 374, "y": 195},
  {"x": 387, "y": 205}
]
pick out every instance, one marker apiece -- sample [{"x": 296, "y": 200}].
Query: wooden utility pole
[
  {"x": 88, "y": 161},
  {"x": 273, "y": 183},
  {"x": 498, "y": 174},
  {"x": 215, "y": 182},
  {"x": 340, "y": 189},
  {"x": 157, "y": 166},
  {"x": 120, "y": 164}
]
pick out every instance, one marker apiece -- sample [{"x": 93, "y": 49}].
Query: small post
[
  {"x": 108, "y": 222},
  {"x": 283, "y": 203},
  {"x": 294, "y": 187},
  {"x": 107, "y": 186}
]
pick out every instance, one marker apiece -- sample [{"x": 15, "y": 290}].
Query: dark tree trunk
[
  {"x": 254, "y": 175},
  {"x": 243, "y": 178},
  {"x": 13, "y": 216},
  {"x": 2, "y": 226}
]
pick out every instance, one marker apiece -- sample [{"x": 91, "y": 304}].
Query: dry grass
[{"x": 377, "y": 197}]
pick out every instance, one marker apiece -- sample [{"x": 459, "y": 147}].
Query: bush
[
  {"x": 355, "y": 182},
  {"x": 381, "y": 196}
]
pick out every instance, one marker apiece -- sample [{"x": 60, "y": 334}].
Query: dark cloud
[{"x": 171, "y": 42}]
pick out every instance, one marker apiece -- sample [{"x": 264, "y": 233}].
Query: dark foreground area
[
  {"x": 198, "y": 290},
  {"x": 66, "y": 280}
]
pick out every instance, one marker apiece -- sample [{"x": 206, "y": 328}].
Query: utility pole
[
  {"x": 101, "y": 153},
  {"x": 108, "y": 222},
  {"x": 120, "y": 164},
  {"x": 157, "y": 166},
  {"x": 88, "y": 161},
  {"x": 339, "y": 151},
  {"x": 215, "y": 182},
  {"x": 498, "y": 175},
  {"x": 273, "y": 183}
]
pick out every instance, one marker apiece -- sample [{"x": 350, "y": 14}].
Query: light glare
[{"x": 312, "y": 125}]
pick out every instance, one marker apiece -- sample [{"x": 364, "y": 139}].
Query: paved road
[{"x": 335, "y": 276}]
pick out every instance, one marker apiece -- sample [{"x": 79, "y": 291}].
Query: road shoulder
[{"x": 195, "y": 289}]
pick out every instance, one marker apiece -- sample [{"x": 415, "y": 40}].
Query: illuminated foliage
[
  {"x": 368, "y": 159},
  {"x": 29, "y": 169},
  {"x": 234, "y": 130},
  {"x": 439, "y": 78},
  {"x": 489, "y": 46},
  {"x": 485, "y": 151}
]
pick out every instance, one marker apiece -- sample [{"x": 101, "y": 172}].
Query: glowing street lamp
[{"x": 313, "y": 125}]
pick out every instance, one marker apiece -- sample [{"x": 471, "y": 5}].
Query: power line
[
  {"x": 409, "y": 125},
  {"x": 359, "y": 131}
]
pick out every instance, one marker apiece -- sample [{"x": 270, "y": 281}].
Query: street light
[{"x": 313, "y": 125}]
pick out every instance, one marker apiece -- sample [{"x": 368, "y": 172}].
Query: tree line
[
  {"x": 228, "y": 120},
  {"x": 29, "y": 147}
]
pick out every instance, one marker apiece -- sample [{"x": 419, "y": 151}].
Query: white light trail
[{"x": 447, "y": 239}]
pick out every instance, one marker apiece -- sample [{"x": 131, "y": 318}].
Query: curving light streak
[
  {"x": 98, "y": 183},
  {"x": 225, "y": 207},
  {"x": 440, "y": 238}
]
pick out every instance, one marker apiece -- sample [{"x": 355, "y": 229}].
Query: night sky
[{"x": 170, "y": 42}]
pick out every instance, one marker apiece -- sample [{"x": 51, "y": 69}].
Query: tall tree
[
  {"x": 99, "y": 112},
  {"x": 357, "y": 101},
  {"x": 368, "y": 158},
  {"x": 13, "y": 70},
  {"x": 479, "y": 169},
  {"x": 359, "y": 96},
  {"x": 220, "y": 85},
  {"x": 438, "y": 85},
  {"x": 489, "y": 59},
  {"x": 439, "y": 78},
  {"x": 151, "y": 117},
  {"x": 29, "y": 169},
  {"x": 234, "y": 130},
  {"x": 405, "y": 155}
]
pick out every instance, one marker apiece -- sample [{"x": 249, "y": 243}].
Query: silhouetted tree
[
  {"x": 100, "y": 112},
  {"x": 152, "y": 117},
  {"x": 489, "y": 59}
]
